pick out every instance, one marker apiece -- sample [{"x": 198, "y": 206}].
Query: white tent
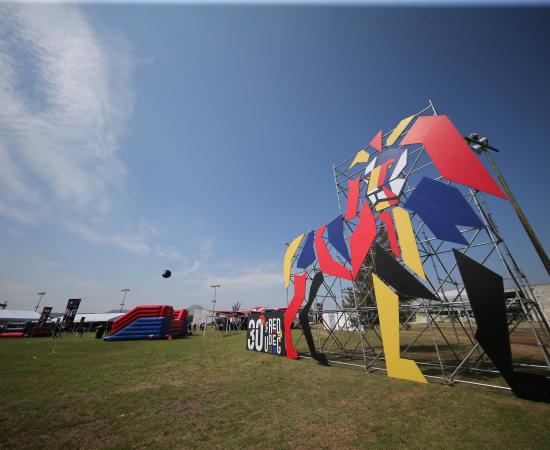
[
  {"x": 97, "y": 317},
  {"x": 201, "y": 316},
  {"x": 339, "y": 321},
  {"x": 17, "y": 315}
]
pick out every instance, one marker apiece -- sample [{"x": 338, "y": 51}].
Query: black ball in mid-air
[{"x": 166, "y": 274}]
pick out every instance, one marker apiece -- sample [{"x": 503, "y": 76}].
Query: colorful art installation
[
  {"x": 448, "y": 150},
  {"x": 360, "y": 158},
  {"x": 376, "y": 141},
  {"x": 394, "y": 274},
  {"x": 407, "y": 242},
  {"x": 362, "y": 239},
  {"x": 385, "y": 185},
  {"x": 292, "y": 311},
  {"x": 442, "y": 208},
  {"x": 289, "y": 254},
  {"x": 150, "y": 322},
  {"x": 326, "y": 262},
  {"x": 353, "y": 198},
  {"x": 304, "y": 319},
  {"x": 388, "y": 313},
  {"x": 394, "y": 135},
  {"x": 307, "y": 255},
  {"x": 386, "y": 218},
  {"x": 486, "y": 293},
  {"x": 335, "y": 231},
  {"x": 395, "y": 262}
]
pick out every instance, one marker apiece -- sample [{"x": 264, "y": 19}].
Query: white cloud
[
  {"x": 135, "y": 242},
  {"x": 206, "y": 247},
  {"x": 251, "y": 279},
  {"x": 169, "y": 253},
  {"x": 193, "y": 269},
  {"x": 51, "y": 264},
  {"x": 66, "y": 96}
]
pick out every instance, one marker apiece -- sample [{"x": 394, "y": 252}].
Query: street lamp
[
  {"x": 42, "y": 294},
  {"x": 481, "y": 145},
  {"x": 215, "y": 286},
  {"x": 123, "y": 298}
]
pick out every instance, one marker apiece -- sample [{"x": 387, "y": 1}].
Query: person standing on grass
[
  {"x": 57, "y": 330},
  {"x": 99, "y": 331}
]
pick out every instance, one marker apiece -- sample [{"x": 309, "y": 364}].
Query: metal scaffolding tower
[{"x": 438, "y": 335}]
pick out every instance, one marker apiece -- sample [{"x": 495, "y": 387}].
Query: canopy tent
[
  {"x": 97, "y": 317},
  {"x": 17, "y": 315}
]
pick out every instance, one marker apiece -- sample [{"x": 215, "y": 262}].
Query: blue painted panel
[
  {"x": 442, "y": 208},
  {"x": 308, "y": 253},
  {"x": 336, "y": 237}
]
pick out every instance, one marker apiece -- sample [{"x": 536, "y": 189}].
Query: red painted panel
[
  {"x": 390, "y": 195},
  {"x": 292, "y": 311},
  {"x": 362, "y": 239},
  {"x": 353, "y": 198},
  {"x": 384, "y": 172},
  {"x": 377, "y": 141},
  {"x": 392, "y": 236},
  {"x": 450, "y": 153},
  {"x": 326, "y": 263}
]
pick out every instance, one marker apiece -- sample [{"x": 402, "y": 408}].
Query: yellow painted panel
[
  {"x": 361, "y": 157},
  {"x": 373, "y": 180},
  {"x": 388, "y": 314},
  {"x": 398, "y": 130},
  {"x": 382, "y": 205},
  {"x": 407, "y": 241},
  {"x": 289, "y": 254}
]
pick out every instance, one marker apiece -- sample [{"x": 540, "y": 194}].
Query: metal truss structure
[
  {"x": 438, "y": 335},
  {"x": 220, "y": 322}
]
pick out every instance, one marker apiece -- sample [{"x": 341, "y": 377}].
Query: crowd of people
[
  {"x": 102, "y": 330},
  {"x": 77, "y": 329}
]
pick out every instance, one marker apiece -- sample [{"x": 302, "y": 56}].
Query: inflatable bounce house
[{"x": 150, "y": 322}]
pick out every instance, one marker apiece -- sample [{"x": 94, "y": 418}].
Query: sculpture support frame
[{"x": 456, "y": 354}]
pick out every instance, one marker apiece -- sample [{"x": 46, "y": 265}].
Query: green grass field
[{"x": 212, "y": 393}]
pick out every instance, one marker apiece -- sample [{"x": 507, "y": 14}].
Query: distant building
[
  {"x": 200, "y": 316},
  {"x": 336, "y": 321},
  {"x": 542, "y": 292},
  {"x": 345, "y": 320}
]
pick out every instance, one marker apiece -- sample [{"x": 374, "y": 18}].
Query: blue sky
[{"x": 135, "y": 138}]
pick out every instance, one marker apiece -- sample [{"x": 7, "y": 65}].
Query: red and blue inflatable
[{"x": 150, "y": 322}]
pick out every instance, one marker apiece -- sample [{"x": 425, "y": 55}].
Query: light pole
[
  {"x": 215, "y": 286},
  {"x": 481, "y": 145},
  {"x": 42, "y": 294},
  {"x": 123, "y": 298}
]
